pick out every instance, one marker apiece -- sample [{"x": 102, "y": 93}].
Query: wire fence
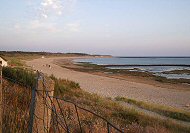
[
  {"x": 37, "y": 110},
  {"x": 66, "y": 116}
]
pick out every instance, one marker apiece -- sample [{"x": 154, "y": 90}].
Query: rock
[{"x": 187, "y": 105}]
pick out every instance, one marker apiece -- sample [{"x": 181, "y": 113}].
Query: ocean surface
[{"x": 148, "y": 61}]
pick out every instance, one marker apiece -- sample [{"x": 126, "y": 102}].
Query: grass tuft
[{"x": 162, "y": 110}]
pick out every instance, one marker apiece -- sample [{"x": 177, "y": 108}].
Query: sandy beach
[{"x": 112, "y": 87}]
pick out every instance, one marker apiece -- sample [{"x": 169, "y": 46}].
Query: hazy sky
[{"x": 117, "y": 27}]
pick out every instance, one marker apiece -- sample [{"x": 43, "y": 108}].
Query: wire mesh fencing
[
  {"x": 57, "y": 115},
  {"x": 37, "y": 110}
]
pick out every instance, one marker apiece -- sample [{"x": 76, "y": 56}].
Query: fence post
[
  {"x": 43, "y": 104},
  {"x": 1, "y": 100},
  {"x": 32, "y": 107}
]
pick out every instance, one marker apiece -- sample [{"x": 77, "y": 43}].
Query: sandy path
[{"x": 111, "y": 87}]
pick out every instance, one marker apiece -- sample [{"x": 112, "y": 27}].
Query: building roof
[{"x": 3, "y": 58}]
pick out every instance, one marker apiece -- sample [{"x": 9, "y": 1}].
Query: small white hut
[{"x": 3, "y": 62}]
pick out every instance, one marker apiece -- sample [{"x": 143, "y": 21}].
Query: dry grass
[
  {"x": 16, "y": 105},
  {"x": 114, "y": 112}
]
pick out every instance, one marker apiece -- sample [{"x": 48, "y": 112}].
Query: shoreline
[
  {"x": 112, "y": 87},
  {"x": 182, "y": 65},
  {"x": 72, "y": 65}
]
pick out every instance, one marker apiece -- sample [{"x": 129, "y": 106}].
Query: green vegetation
[
  {"x": 24, "y": 77},
  {"x": 16, "y": 62},
  {"x": 166, "y": 111},
  {"x": 185, "y": 71},
  {"x": 88, "y": 67},
  {"x": 18, "y": 58},
  {"x": 17, "y": 98},
  {"x": 173, "y": 81}
]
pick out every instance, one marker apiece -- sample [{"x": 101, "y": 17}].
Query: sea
[{"x": 155, "y": 65}]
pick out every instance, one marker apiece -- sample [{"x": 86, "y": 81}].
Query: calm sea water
[{"x": 157, "y": 70}]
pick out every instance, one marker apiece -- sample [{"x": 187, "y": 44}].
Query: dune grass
[
  {"x": 162, "y": 110},
  {"x": 18, "y": 58},
  {"x": 23, "y": 76}
]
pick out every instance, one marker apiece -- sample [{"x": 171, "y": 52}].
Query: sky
[{"x": 114, "y": 27}]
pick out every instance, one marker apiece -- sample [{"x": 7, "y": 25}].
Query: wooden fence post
[
  {"x": 43, "y": 105},
  {"x": 1, "y": 100}
]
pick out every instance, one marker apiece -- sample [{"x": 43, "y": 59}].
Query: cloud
[
  {"x": 17, "y": 27},
  {"x": 36, "y": 26},
  {"x": 74, "y": 27},
  {"x": 46, "y": 15},
  {"x": 43, "y": 26},
  {"x": 51, "y": 7}
]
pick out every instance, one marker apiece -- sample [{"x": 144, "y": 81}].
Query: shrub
[{"x": 19, "y": 75}]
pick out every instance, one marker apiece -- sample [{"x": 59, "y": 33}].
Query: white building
[{"x": 3, "y": 62}]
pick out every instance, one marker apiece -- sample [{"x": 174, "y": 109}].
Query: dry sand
[{"x": 111, "y": 87}]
